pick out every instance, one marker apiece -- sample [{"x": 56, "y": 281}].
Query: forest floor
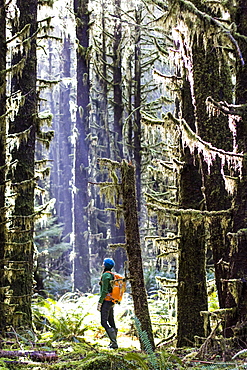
[
  {"x": 67, "y": 335},
  {"x": 84, "y": 356}
]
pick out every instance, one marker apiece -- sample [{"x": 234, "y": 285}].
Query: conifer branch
[
  {"x": 117, "y": 245},
  {"x": 21, "y": 34},
  {"x": 206, "y": 18},
  {"x": 189, "y": 211},
  {"x": 211, "y": 20},
  {"x": 174, "y": 78},
  {"x": 163, "y": 239},
  {"x": 109, "y": 162},
  {"x": 227, "y": 109},
  {"x": 194, "y": 141}
]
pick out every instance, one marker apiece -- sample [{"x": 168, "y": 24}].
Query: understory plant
[
  {"x": 63, "y": 319},
  {"x": 152, "y": 361}
]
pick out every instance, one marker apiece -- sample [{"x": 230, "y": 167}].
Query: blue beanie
[{"x": 109, "y": 263}]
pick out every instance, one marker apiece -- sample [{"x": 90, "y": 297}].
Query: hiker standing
[{"x": 105, "y": 304}]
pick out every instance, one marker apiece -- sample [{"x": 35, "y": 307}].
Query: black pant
[{"x": 107, "y": 315}]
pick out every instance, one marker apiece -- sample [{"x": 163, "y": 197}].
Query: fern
[
  {"x": 138, "y": 358},
  {"x": 62, "y": 319},
  {"x": 142, "y": 334}
]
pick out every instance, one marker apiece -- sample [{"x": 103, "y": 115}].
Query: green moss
[{"x": 97, "y": 362}]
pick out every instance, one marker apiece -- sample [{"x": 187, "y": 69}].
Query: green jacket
[{"x": 105, "y": 285}]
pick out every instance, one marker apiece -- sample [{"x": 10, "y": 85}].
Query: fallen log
[{"x": 33, "y": 355}]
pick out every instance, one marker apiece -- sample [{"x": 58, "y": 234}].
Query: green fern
[
  {"x": 60, "y": 320},
  {"x": 142, "y": 334},
  {"x": 137, "y": 358},
  {"x": 166, "y": 358}
]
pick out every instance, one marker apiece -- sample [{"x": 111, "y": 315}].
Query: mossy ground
[
  {"x": 75, "y": 334},
  {"x": 82, "y": 356}
]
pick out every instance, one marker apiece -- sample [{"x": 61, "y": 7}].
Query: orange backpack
[{"x": 118, "y": 288}]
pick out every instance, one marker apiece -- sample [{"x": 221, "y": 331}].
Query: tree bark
[
  {"x": 19, "y": 255},
  {"x": 237, "y": 281},
  {"x": 117, "y": 84},
  {"x": 208, "y": 67},
  {"x": 3, "y": 52},
  {"x": 81, "y": 268},
  {"x": 65, "y": 128},
  {"x": 117, "y": 233},
  {"x": 137, "y": 104},
  {"x": 133, "y": 249},
  {"x": 192, "y": 290}
]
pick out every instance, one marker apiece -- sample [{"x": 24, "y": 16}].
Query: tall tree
[
  {"x": 204, "y": 61},
  {"x": 81, "y": 268},
  {"x": 122, "y": 194},
  {"x": 65, "y": 128},
  {"x": 100, "y": 130},
  {"x": 192, "y": 291},
  {"x": 19, "y": 254},
  {"x": 236, "y": 282},
  {"x": 133, "y": 248},
  {"x": 117, "y": 150},
  {"x": 3, "y": 52},
  {"x": 137, "y": 101},
  {"x": 205, "y": 65}
]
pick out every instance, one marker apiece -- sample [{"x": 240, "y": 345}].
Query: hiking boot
[{"x": 112, "y": 334}]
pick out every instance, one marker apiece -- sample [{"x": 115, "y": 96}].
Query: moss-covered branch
[
  {"x": 228, "y": 109},
  {"x": 195, "y": 212},
  {"x": 211, "y": 21}
]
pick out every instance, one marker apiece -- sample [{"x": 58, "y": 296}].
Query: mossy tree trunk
[
  {"x": 3, "y": 51},
  {"x": 211, "y": 188},
  {"x": 99, "y": 221},
  {"x": 237, "y": 282},
  {"x": 19, "y": 253},
  {"x": 211, "y": 69},
  {"x": 192, "y": 290},
  {"x": 117, "y": 233},
  {"x": 137, "y": 103},
  {"x": 117, "y": 84},
  {"x": 133, "y": 249},
  {"x": 81, "y": 269}
]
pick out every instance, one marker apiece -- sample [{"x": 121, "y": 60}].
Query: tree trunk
[
  {"x": 213, "y": 195},
  {"x": 19, "y": 255},
  {"x": 65, "y": 128},
  {"x": 137, "y": 104},
  {"x": 213, "y": 129},
  {"x": 117, "y": 84},
  {"x": 81, "y": 268},
  {"x": 117, "y": 233},
  {"x": 99, "y": 220},
  {"x": 133, "y": 249},
  {"x": 237, "y": 282},
  {"x": 192, "y": 290},
  {"x": 3, "y": 51}
]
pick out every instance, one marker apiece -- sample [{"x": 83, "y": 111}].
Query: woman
[{"x": 105, "y": 304}]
